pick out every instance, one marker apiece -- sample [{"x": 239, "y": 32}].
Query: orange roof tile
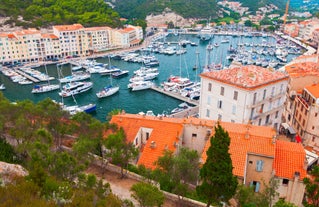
[
  {"x": 68, "y": 27},
  {"x": 164, "y": 139},
  {"x": 128, "y": 29},
  {"x": 97, "y": 28},
  {"x": 289, "y": 158},
  {"x": 258, "y": 142},
  {"x": 47, "y": 35},
  {"x": 313, "y": 90},
  {"x": 303, "y": 69},
  {"x": 4, "y": 34},
  {"x": 30, "y": 31},
  {"x": 248, "y": 77}
]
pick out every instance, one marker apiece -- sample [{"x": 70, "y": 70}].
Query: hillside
[
  {"x": 186, "y": 8},
  {"x": 254, "y": 5},
  {"x": 44, "y": 13}
]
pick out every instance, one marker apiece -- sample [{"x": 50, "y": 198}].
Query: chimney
[
  {"x": 274, "y": 139},
  {"x": 153, "y": 144}
]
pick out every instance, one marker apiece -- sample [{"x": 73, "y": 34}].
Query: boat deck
[
  {"x": 175, "y": 95},
  {"x": 35, "y": 80}
]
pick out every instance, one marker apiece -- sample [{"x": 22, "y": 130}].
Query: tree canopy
[
  {"x": 218, "y": 184},
  {"x": 43, "y": 13}
]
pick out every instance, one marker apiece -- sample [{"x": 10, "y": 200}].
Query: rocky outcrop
[{"x": 8, "y": 172}]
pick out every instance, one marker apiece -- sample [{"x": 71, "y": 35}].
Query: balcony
[
  {"x": 303, "y": 101},
  {"x": 267, "y": 99}
]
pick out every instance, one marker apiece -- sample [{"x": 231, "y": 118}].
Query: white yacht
[
  {"x": 74, "y": 88},
  {"x": 140, "y": 85}
]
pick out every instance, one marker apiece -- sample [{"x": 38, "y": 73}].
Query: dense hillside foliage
[
  {"x": 254, "y": 5},
  {"x": 41, "y": 13},
  {"x": 186, "y": 8}
]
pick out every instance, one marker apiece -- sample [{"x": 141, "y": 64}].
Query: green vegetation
[
  {"x": 147, "y": 195},
  {"x": 57, "y": 174},
  {"x": 312, "y": 189},
  {"x": 187, "y": 8},
  {"x": 254, "y": 5},
  {"x": 44, "y": 13},
  {"x": 218, "y": 182}
]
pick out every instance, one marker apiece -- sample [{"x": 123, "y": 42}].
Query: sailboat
[
  {"x": 2, "y": 87},
  {"x": 42, "y": 88},
  {"x": 197, "y": 65},
  {"x": 74, "y": 109},
  {"x": 108, "y": 90}
]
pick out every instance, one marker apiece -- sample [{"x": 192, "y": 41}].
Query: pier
[
  {"x": 175, "y": 95},
  {"x": 27, "y": 76}
]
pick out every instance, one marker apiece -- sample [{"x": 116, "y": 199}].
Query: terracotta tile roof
[
  {"x": 164, "y": 139},
  {"x": 303, "y": 69},
  {"x": 68, "y": 27},
  {"x": 4, "y": 34},
  {"x": 47, "y": 35},
  {"x": 27, "y": 32},
  {"x": 128, "y": 29},
  {"x": 313, "y": 90},
  {"x": 97, "y": 28},
  {"x": 289, "y": 158},
  {"x": 248, "y": 77},
  {"x": 258, "y": 142}
]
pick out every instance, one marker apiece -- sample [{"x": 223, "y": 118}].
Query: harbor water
[{"x": 137, "y": 101}]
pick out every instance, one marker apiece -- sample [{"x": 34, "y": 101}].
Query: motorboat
[
  {"x": 181, "y": 107},
  {"x": 144, "y": 77},
  {"x": 2, "y": 87},
  {"x": 45, "y": 88},
  {"x": 79, "y": 76},
  {"x": 120, "y": 73},
  {"x": 74, "y": 88},
  {"x": 140, "y": 85},
  {"x": 107, "y": 91}
]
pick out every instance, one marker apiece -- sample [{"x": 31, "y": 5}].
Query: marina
[{"x": 155, "y": 98}]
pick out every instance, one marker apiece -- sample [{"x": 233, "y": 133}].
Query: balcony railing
[
  {"x": 303, "y": 102},
  {"x": 267, "y": 99}
]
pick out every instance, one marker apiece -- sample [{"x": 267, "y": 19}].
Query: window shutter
[
  {"x": 251, "y": 184},
  {"x": 257, "y": 187},
  {"x": 259, "y": 165}
]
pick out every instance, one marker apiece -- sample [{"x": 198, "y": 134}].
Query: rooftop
[
  {"x": 68, "y": 27},
  {"x": 303, "y": 69},
  {"x": 247, "y": 77},
  {"x": 245, "y": 139},
  {"x": 313, "y": 90}
]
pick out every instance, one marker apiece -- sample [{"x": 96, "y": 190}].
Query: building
[
  {"x": 307, "y": 27},
  {"x": 291, "y": 29},
  {"x": 315, "y": 38},
  {"x": 243, "y": 94},
  {"x": 297, "y": 112},
  {"x": 73, "y": 40},
  {"x": 256, "y": 154},
  {"x": 32, "y": 45}
]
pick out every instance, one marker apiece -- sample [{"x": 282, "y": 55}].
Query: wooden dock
[
  {"x": 35, "y": 80},
  {"x": 175, "y": 95}
]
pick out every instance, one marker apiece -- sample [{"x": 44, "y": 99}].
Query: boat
[
  {"x": 110, "y": 69},
  {"x": 89, "y": 108},
  {"x": 72, "y": 110},
  {"x": 77, "y": 67},
  {"x": 140, "y": 85},
  {"x": 73, "y": 88},
  {"x": 2, "y": 87},
  {"x": 145, "y": 70},
  {"x": 44, "y": 88},
  {"x": 205, "y": 34},
  {"x": 120, "y": 73},
  {"x": 181, "y": 107},
  {"x": 107, "y": 91},
  {"x": 78, "y": 76},
  {"x": 144, "y": 77}
]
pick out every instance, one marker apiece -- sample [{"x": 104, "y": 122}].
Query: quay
[
  {"x": 175, "y": 95},
  {"x": 27, "y": 76}
]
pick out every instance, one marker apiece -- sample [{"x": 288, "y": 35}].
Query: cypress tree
[{"x": 218, "y": 183}]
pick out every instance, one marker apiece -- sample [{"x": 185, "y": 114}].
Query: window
[
  {"x": 251, "y": 162},
  {"x": 285, "y": 181},
  {"x": 272, "y": 91},
  {"x": 255, "y": 98},
  {"x": 264, "y": 95},
  {"x": 194, "y": 135},
  {"x": 267, "y": 119},
  {"x": 316, "y": 114},
  {"x": 222, "y": 90},
  {"x": 235, "y": 95},
  {"x": 255, "y": 186},
  {"x": 147, "y": 135},
  {"x": 209, "y": 87},
  {"x": 276, "y": 115},
  {"x": 208, "y": 100},
  {"x": 259, "y": 122},
  {"x": 220, "y": 104},
  {"x": 219, "y": 117},
  {"x": 136, "y": 141},
  {"x": 234, "y": 109},
  {"x": 259, "y": 165},
  {"x": 207, "y": 113},
  {"x": 232, "y": 121}
]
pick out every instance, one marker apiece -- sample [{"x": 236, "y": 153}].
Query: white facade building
[{"x": 243, "y": 94}]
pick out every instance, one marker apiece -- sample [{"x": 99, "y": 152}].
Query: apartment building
[
  {"x": 120, "y": 38},
  {"x": 49, "y": 47},
  {"x": 243, "y": 94},
  {"x": 292, "y": 29},
  {"x": 297, "y": 112},
  {"x": 307, "y": 27},
  {"x": 98, "y": 38},
  {"x": 73, "y": 40},
  {"x": 256, "y": 154}
]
